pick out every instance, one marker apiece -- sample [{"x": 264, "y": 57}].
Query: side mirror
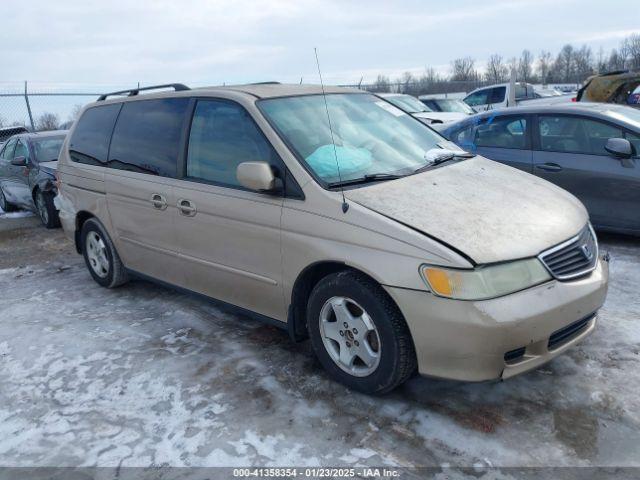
[
  {"x": 256, "y": 176},
  {"x": 19, "y": 162},
  {"x": 620, "y": 148}
]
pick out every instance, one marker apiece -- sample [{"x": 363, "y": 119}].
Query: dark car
[
  {"x": 589, "y": 149},
  {"x": 27, "y": 174}
]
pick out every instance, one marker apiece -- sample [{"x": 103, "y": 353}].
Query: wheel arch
[
  {"x": 307, "y": 279},
  {"x": 81, "y": 217}
]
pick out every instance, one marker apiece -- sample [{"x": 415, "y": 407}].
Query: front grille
[
  {"x": 573, "y": 258},
  {"x": 565, "y": 334}
]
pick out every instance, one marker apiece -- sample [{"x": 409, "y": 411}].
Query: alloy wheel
[
  {"x": 97, "y": 254},
  {"x": 350, "y": 336}
]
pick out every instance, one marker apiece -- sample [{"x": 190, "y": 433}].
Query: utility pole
[{"x": 26, "y": 99}]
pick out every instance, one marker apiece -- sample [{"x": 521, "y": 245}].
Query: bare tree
[
  {"x": 381, "y": 84},
  {"x": 497, "y": 71},
  {"x": 463, "y": 70},
  {"x": 633, "y": 50},
  {"x": 601, "y": 62},
  {"x": 407, "y": 83},
  {"x": 525, "y": 69},
  {"x": 564, "y": 64},
  {"x": 47, "y": 121},
  {"x": 75, "y": 112},
  {"x": 583, "y": 63},
  {"x": 544, "y": 66}
]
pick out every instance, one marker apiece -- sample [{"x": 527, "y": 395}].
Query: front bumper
[{"x": 468, "y": 340}]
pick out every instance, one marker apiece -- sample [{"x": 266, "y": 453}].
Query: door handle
[
  {"x": 187, "y": 207},
  {"x": 158, "y": 201},
  {"x": 549, "y": 167}
]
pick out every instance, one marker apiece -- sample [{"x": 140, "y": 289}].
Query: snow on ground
[
  {"x": 16, "y": 214},
  {"x": 145, "y": 376}
]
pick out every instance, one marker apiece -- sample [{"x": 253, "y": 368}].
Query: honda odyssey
[{"x": 339, "y": 217}]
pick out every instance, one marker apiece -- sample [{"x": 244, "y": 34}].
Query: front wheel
[
  {"x": 359, "y": 334},
  {"x": 46, "y": 209}
]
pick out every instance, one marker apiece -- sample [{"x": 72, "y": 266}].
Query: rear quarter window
[
  {"x": 147, "y": 136},
  {"x": 89, "y": 143}
]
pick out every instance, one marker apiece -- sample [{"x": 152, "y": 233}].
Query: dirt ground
[{"x": 146, "y": 376}]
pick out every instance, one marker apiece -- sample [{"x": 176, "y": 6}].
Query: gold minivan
[{"x": 337, "y": 216}]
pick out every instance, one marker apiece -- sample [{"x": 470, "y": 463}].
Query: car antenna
[{"x": 345, "y": 205}]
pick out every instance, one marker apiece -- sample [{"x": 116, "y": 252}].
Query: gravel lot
[{"x": 145, "y": 376}]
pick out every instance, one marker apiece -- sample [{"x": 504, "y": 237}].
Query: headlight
[{"x": 484, "y": 282}]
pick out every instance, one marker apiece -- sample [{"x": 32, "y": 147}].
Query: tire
[
  {"x": 100, "y": 256},
  {"x": 46, "y": 209},
  {"x": 388, "y": 355},
  {"x": 4, "y": 204}
]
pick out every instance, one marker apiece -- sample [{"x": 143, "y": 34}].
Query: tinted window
[
  {"x": 575, "y": 135},
  {"x": 478, "y": 98},
  {"x": 504, "y": 132},
  {"x": 90, "y": 140},
  {"x": 222, "y": 136},
  {"x": 147, "y": 136},
  {"x": 498, "y": 94}
]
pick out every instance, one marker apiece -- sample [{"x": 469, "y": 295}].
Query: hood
[
  {"x": 444, "y": 117},
  {"x": 486, "y": 210}
]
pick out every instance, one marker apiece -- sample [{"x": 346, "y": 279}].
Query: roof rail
[{"x": 178, "y": 87}]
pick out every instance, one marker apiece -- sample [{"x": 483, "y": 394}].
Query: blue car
[{"x": 590, "y": 149}]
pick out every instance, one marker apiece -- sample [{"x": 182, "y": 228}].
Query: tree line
[{"x": 570, "y": 65}]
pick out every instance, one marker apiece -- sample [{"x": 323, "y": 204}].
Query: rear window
[
  {"x": 147, "y": 136},
  {"x": 90, "y": 140}
]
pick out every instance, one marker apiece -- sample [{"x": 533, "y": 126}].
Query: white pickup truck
[{"x": 509, "y": 95}]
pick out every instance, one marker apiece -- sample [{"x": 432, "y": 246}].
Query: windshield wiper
[
  {"x": 444, "y": 158},
  {"x": 371, "y": 177}
]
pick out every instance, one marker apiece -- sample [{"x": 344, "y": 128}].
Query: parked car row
[
  {"x": 335, "y": 215},
  {"x": 421, "y": 110}
]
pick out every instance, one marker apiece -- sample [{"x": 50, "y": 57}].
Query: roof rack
[{"x": 178, "y": 87}]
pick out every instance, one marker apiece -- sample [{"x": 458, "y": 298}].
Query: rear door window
[
  {"x": 222, "y": 136},
  {"x": 89, "y": 143},
  {"x": 147, "y": 136},
  {"x": 502, "y": 132},
  {"x": 570, "y": 134}
]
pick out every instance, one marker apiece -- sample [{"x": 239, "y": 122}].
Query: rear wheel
[
  {"x": 4, "y": 204},
  {"x": 359, "y": 334},
  {"x": 100, "y": 255},
  {"x": 46, "y": 209}
]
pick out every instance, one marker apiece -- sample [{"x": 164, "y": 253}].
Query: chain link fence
[{"x": 42, "y": 106}]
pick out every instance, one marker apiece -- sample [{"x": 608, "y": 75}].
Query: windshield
[
  {"x": 455, "y": 106},
  {"x": 47, "y": 149},
  {"x": 408, "y": 103},
  {"x": 371, "y": 136}
]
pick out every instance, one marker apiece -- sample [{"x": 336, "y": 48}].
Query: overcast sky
[{"x": 110, "y": 42}]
